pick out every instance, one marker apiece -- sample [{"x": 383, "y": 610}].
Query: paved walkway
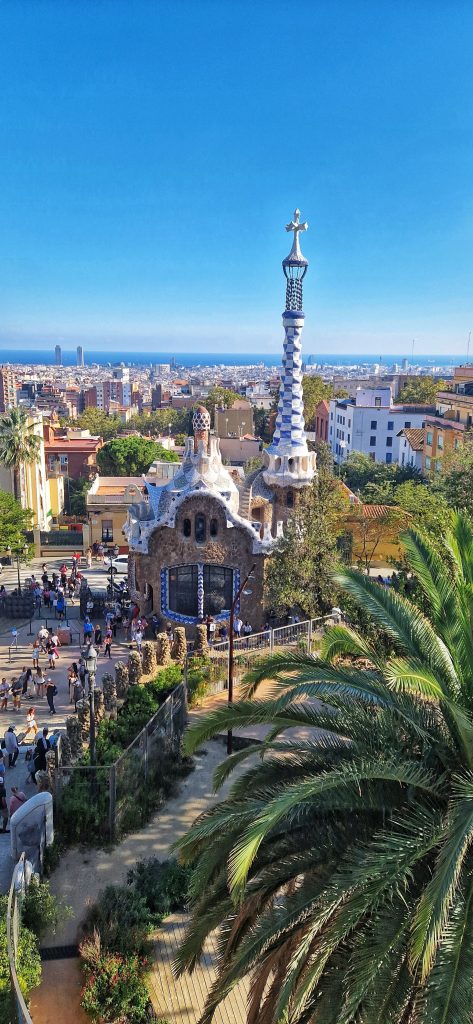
[
  {"x": 83, "y": 873},
  {"x": 13, "y": 660}
]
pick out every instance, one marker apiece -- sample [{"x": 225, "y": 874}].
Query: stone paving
[
  {"x": 84, "y": 872},
  {"x": 13, "y": 659}
]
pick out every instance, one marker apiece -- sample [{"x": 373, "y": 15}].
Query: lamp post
[
  {"x": 112, "y": 553},
  {"x": 90, "y": 659},
  {"x": 17, "y": 553},
  {"x": 238, "y": 594}
]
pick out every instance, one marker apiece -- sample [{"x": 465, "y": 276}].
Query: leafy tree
[
  {"x": 300, "y": 572},
  {"x": 421, "y": 390},
  {"x": 324, "y": 455},
  {"x": 339, "y": 868},
  {"x": 263, "y": 422},
  {"x": 372, "y": 530},
  {"x": 455, "y": 483},
  {"x": 100, "y": 423},
  {"x": 77, "y": 495},
  {"x": 19, "y": 445},
  {"x": 429, "y": 510},
  {"x": 358, "y": 470},
  {"x": 219, "y": 397},
  {"x": 314, "y": 390},
  {"x": 131, "y": 456},
  {"x": 14, "y": 522},
  {"x": 159, "y": 422}
]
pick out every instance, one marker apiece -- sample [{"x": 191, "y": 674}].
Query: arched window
[
  {"x": 213, "y": 527},
  {"x": 186, "y": 527},
  {"x": 200, "y": 529},
  {"x": 290, "y": 499}
]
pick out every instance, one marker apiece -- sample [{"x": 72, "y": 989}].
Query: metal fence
[
  {"x": 15, "y": 898},
  {"x": 61, "y": 539},
  {"x": 300, "y": 635},
  {"x": 103, "y": 802}
]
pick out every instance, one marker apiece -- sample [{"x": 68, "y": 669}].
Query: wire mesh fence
[
  {"x": 99, "y": 803},
  {"x": 207, "y": 673}
]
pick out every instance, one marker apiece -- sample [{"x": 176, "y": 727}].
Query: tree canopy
[
  {"x": 300, "y": 572},
  {"x": 339, "y": 866},
  {"x": 131, "y": 456},
  {"x": 358, "y": 470},
  {"x": 455, "y": 482},
  {"x": 421, "y": 390},
  {"x": 19, "y": 445},
  {"x": 14, "y": 522},
  {"x": 219, "y": 397}
]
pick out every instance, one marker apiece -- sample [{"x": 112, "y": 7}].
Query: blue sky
[{"x": 153, "y": 151}]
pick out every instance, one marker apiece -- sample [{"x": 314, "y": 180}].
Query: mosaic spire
[{"x": 288, "y": 460}]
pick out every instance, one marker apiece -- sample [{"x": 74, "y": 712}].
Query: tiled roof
[{"x": 415, "y": 436}]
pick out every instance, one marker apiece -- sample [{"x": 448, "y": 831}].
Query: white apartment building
[{"x": 370, "y": 423}]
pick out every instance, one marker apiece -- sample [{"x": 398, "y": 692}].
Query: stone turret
[{"x": 288, "y": 461}]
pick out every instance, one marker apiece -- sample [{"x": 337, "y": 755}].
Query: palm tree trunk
[{"x": 16, "y": 483}]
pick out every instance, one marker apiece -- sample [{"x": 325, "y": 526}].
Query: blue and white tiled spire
[{"x": 288, "y": 461}]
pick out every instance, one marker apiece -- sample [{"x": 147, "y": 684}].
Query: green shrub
[
  {"x": 41, "y": 910},
  {"x": 114, "y": 989},
  {"x": 121, "y": 919},
  {"x": 28, "y": 964},
  {"x": 163, "y": 885},
  {"x": 198, "y": 683}
]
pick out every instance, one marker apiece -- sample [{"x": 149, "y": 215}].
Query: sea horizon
[{"x": 46, "y": 357}]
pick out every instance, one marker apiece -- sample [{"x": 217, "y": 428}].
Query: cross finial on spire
[{"x": 296, "y": 227}]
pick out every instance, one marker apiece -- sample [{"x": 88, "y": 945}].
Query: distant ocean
[{"x": 45, "y": 357}]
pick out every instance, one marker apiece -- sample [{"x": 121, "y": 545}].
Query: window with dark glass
[
  {"x": 373, "y": 442},
  {"x": 186, "y": 527},
  {"x": 213, "y": 527},
  {"x": 183, "y": 580},
  {"x": 218, "y": 589},
  {"x": 107, "y": 530},
  {"x": 199, "y": 529},
  {"x": 290, "y": 499}
]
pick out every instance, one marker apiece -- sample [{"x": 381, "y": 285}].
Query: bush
[
  {"x": 121, "y": 919},
  {"x": 114, "y": 989},
  {"x": 197, "y": 681},
  {"x": 28, "y": 963},
  {"x": 164, "y": 886},
  {"x": 41, "y": 910}
]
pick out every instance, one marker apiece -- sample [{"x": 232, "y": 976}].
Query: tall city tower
[{"x": 288, "y": 463}]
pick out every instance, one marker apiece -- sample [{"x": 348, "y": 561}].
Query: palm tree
[
  {"x": 19, "y": 445},
  {"x": 339, "y": 868}
]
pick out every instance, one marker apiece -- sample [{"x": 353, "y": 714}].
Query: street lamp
[
  {"x": 90, "y": 660},
  {"x": 112, "y": 553},
  {"x": 17, "y": 552},
  {"x": 241, "y": 590}
]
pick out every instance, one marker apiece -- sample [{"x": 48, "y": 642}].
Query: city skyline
[{"x": 147, "y": 183}]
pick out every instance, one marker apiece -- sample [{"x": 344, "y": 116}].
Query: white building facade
[{"x": 370, "y": 423}]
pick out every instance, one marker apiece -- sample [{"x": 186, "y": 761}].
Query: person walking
[
  {"x": 53, "y": 654},
  {"x": 88, "y": 630},
  {"x": 237, "y": 626},
  {"x": 89, "y": 558},
  {"x": 36, "y": 653},
  {"x": 16, "y": 690},
  {"x": 51, "y": 693},
  {"x": 4, "y": 692},
  {"x": 39, "y": 682},
  {"x": 98, "y": 636},
  {"x": 31, "y": 726},
  {"x": 108, "y": 644},
  {"x": 72, "y": 677},
  {"x": 139, "y": 640},
  {"x": 41, "y": 749},
  {"x": 11, "y": 746}
]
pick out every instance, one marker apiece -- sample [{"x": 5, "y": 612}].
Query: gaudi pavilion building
[{"x": 194, "y": 539}]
